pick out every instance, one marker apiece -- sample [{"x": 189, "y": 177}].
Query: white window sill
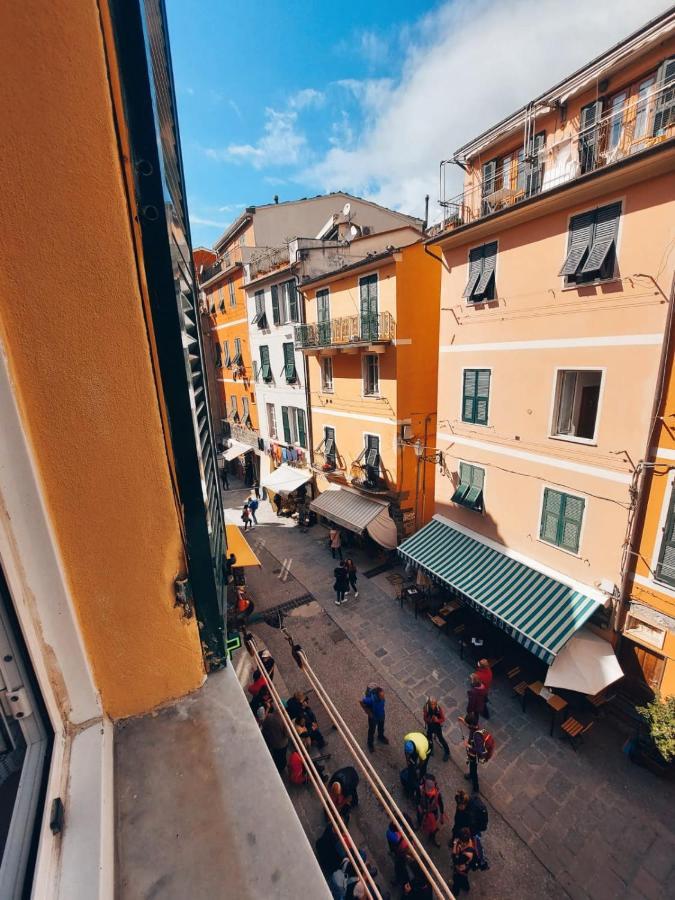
[
  {"x": 586, "y": 284},
  {"x": 572, "y": 439},
  {"x": 325, "y": 390},
  {"x": 576, "y": 555}
]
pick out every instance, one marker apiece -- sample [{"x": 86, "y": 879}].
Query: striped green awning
[{"x": 540, "y": 612}]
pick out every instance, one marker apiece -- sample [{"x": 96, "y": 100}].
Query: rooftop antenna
[
  {"x": 426, "y": 213},
  {"x": 276, "y": 198}
]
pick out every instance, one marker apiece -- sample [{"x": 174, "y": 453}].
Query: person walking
[
  {"x": 417, "y": 751},
  {"x": 246, "y": 517},
  {"x": 224, "y": 478},
  {"x": 463, "y": 853},
  {"x": 373, "y": 704},
  {"x": 476, "y": 697},
  {"x": 278, "y": 502},
  {"x": 479, "y": 747},
  {"x": 350, "y": 566},
  {"x": 276, "y": 738},
  {"x": 430, "y": 809},
  {"x": 434, "y": 717},
  {"x": 462, "y": 813},
  {"x": 335, "y": 542},
  {"x": 478, "y": 824},
  {"x": 341, "y": 584},
  {"x": 484, "y": 674},
  {"x": 252, "y": 508},
  {"x": 256, "y": 488}
]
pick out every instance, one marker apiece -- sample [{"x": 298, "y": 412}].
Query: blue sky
[{"x": 299, "y": 99}]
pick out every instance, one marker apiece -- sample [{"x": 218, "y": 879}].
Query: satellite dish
[
  {"x": 346, "y": 209},
  {"x": 354, "y": 230}
]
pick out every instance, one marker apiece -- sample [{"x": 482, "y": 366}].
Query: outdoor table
[
  {"x": 555, "y": 702},
  {"x": 449, "y": 608},
  {"x": 411, "y": 593}
]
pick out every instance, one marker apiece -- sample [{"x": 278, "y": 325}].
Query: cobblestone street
[{"x": 585, "y": 824}]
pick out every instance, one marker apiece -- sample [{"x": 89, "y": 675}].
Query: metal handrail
[{"x": 345, "y": 330}]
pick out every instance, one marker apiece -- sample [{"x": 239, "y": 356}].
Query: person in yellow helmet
[{"x": 417, "y": 751}]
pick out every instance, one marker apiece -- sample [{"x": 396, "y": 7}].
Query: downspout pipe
[{"x": 305, "y": 369}]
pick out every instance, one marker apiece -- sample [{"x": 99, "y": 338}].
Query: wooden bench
[
  {"x": 438, "y": 622},
  {"x": 520, "y": 689},
  {"x": 574, "y": 730}
]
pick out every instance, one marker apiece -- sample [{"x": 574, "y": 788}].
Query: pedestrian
[
  {"x": 417, "y": 751},
  {"x": 298, "y": 705},
  {"x": 278, "y": 502},
  {"x": 252, "y": 507},
  {"x": 335, "y": 542},
  {"x": 484, "y": 674},
  {"x": 246, "y": 517},
  {"x": 224, "y": 478},
  {"x": 476, "y": 696},
  {"x": 350, "y": 566},
  {"x": 256, "y": 488},
  {"x": 430, "y": 809},
  {"x": 373, "y": 704},
  {"x": 478, "y": 824},
  {"x": 434, "y": 717},
  {"x": 329, "y": 850},
  {"x": 274, "y": 732},
  {"x": 462, "y": 813},
  {"x": 243, "y": 607},
  {"x": 268, "y": 662},
  {"x": 479, "y": 748},
  {"x": 399, "y": 848},
  {"x": 341, "y": 584},
  {"x": 297, "y": 773},
  {"x": 343, "y": 788},
  {"x": 463, "y": 853}
]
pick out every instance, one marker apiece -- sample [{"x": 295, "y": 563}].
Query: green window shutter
[
  {"x": 475, "y": 270},
  {"x": 535, "y": 169},
  {"x": 368, "y": 298},
  {"x": 664, "y": 115},
  {"x": 292, "y": 301},
  {"x": 604, "y": 236},
  {"x": 551, "y": 516},
  {"x": 581, "y": 233},
  {"x": 482, "y": 396},
  {"x": 302, "y": 428},
  {"x": 570, "y": 527},
  {"x": 464, "y": 483},
  {"x": 665, "y": 569},
  {"x": 489, "y": 177},
  {"x": 485, "y": 286},
  {"x": 265, "y": 368},
  {"x": 276, "y": 318},
  {"x": 469, "y": 396},
  {"x": 226, "y": 348},
  {"x": 286, "y": 424},
  {"x": 289, "y": 362}
]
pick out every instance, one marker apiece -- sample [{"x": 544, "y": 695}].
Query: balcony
[
  {"x": 265, "y": 260},
  {"x": 635, "y": 126},
  {"x": 227, "y": 261},
  {"x": 346, "y": 331}
]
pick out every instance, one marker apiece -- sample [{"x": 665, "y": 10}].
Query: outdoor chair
[
  {"x": 597, "y": 701},
  {"x": 574, "y": 730}
]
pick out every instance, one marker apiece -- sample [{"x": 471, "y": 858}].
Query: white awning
[
  {"x": 586, "y": 664},
  {"x": 383, "y": 530},
  {"x": 286, "y": 479},
  {"x": 357, "y": 513},
  {"x": 236, "y": 449}
]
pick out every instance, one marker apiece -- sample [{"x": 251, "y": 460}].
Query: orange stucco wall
[{"x": 72, "y": 326}]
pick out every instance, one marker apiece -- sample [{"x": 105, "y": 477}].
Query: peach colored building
[
  {"x": 555, "y": 290},
  {"x": 372, "y": 388}
]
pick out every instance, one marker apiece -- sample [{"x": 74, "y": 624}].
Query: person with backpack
[
  {"x": 479, "y": 747},
  {"x": 430, "y": 809},
  {"x": 343, "y": 788},
  {"x": 434, "y": 717},
  {"x": 341, "y": 584},
  {"x": 417, "y": 751},
  {"x": 252, "y": 508},
  {"x": 350, "y": 566},
  {"x": 478, "y": 823},
  {"x": 463, "y": 854},
  {"x": 246, "y": 517},
  {"x": 484, "y": 674},
  {"x": 373, "y": 704}
]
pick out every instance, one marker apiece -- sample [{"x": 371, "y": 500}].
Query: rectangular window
[
  {"x": 642, "y": 110},
  {"x": 371, "y": 457},
  {"x": 301, "y": 426},
  {"x": 323, "y": 316},
  {"x": 272, "y": 420},
  {"x": 665, "y": 569},
  {"x": 482, "y": 264},
  {"x": 226, "y": 353},
  {"x": 294, "y": 425},
  {"x": 664, "y": 111},
  {"x": 276, "y": 312},
  {"x": 371, "y": 374},
  {"x": 645, "y": 631},
  {"x": 327, "y": 374},
  {"x": 488, "y": 186},
  {"x": 286, "y": 423},
  {"x": 329, "y": 451},
  {"x": 561, "y": 519},
  {"x": 469, "y": 491},
  {"x": 617, "y": 107},
  {"x": 589, "y": 134},
  {"x": 289, "y": 363},
  {"x": 591, "y": 249},
  {"x": 576, "y": 404},
  {"x": 265, "y": 367},
  {"x": 369, "y": 308},
  {"x": 237, "y": 360},
  {"x": 259, "y": 319},
  {"x": 476, "y": 396},
  {"x": 234, "y": 410},
  {"x": 245, "y": 416},
  {"x": 233, "y": 297},
  {"x": 288, "y": 309},
  {"x": 222, "y": 300},
  {"x": 219, "y": 356}
]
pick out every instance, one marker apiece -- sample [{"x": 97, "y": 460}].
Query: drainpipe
[
  {"x": 424, "y": 470},
  {"x": 633, "y": 536},
  {"x": 308, "y": 397}
]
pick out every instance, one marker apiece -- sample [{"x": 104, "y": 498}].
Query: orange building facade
[{"x": 372, "y": 384}]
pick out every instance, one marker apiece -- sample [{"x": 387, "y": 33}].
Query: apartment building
[
  {"x": 372, "y": 388},
  {"x": 276, "y": 304},
  {"x": 555, "y": 290},
  {"x": 118, "y": 707}
]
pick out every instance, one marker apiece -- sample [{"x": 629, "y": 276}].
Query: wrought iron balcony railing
[
  {"x": 366, "y": 329},
  {"x": 628, "y": 128},
  {"x": 228, "y": 260}
]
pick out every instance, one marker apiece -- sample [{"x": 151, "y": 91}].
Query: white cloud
[
  {"x": 281, "y": 144},
  {"x": 465, "y": 66},
  {"x": 306, "y": 97},
  {"x": 208, "y": 223},
  {"x": 231, "y": 103},
  {"x": 372, "y": 46}
]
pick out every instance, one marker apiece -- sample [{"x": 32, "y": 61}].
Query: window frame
[
  {"x": 332, "y": 456},
  {"x": 266, "y": 353},
  {"x": 636, "y": 635},
  {"x": 555, "y": 401},
  {"x": 260, "y": 314},
  {"x": 473, "y": 299},
  {"x": 323, "y": 323},
  {"x": 478, "y": 509},
  {"x": 232, "y": 292},
  {"x": 364, "y": 453},
  {"x": 364, "y": 370},
  {"x": 272, "y": 420},
  {"x": 372, "y": 278},
  {"x": 245, "y": 410},
  {"x": 234, "y": 408},
  {"x": 326, "y": 387},
  {"x": 569, "y": 285},
  {"x": 465, "y": 369},
  {"x": 582, "y": 525},
  {"x": 227, "y": 361},
  {"x": 290, "y": 379},
  {"x": 658, "y": 551}
]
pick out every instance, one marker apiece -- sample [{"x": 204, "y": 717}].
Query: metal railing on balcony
[
  {"x": 266, "y": 259},
  {"x": 228, "y": 260},
  {"x": 628, "y": 128},
  {"x": 367, "y": 329}
]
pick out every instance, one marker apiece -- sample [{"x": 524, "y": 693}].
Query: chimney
[
  {"x": 276, "y": 198},
  {"x": 426, "y": 212}
]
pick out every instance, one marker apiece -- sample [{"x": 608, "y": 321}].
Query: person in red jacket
[
  {"x": 476, "y": 697},
  {"x": 484, "y": 674},
  {"x": 434, "y": 717}
]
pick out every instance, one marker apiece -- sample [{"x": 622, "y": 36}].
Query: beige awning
[
  {"x": 586, "y": 664},
  {"x": 286, "y": 479},
  {"x": 236, "y": 449},
  {"x": 357, "y": 513}
]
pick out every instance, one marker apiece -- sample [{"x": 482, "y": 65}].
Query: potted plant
[{"x": 654, "y": 746}]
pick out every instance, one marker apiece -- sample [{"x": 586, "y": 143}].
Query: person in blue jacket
[{"x": 373, "y": 705}]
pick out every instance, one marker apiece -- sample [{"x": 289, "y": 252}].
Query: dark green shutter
[
  {"x": 323, "y": 316},
  {"x": 265, "y": 369},
  {"x": 368, "y": 296},
  {"x": 664, "y": 115},
  {"x": 292, "y": 301},
  {"x": 302, "y": 428},
  {"x": 665, "y": 569},
  {"x": 469, "y": 395},
  {"x": 570, "y": 527},
  {"x": 475, "y": 269},
  {"x": 464, "y": 483},
  {"x": 551, "y": 515},
  {"x": 589, "y": 118},
  {"x": 485, "y": 283},
  {"x": 276, "y": 318},
  {"x": 604, "y": 237},
  {"x": 289, "y": 362},
  {"x": 482, "y": 396},
  {"x": 286, "y": 424},
  {"x": 581, "y": 234}
]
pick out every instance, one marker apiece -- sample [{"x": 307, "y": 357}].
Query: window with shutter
[
  {"x": 665, "y": 569},
  {"x": 265, "y": 367},
  {"x": 561, "y": 519},
  {"x": 476, "y": 396},
  {"x": 276, "y": 316},
  {"x": 323, "y": 316},
  {"x": 271, "y": 420},
  {"x": 488, "y": 185},
  {"x": 219, "y": 356},
  {"x": 259, "y": 318},
  {"x": 226, "y": 351},
  {"x": 371, "y": 374},
  {"x": 475, "y": 270},
  {"x": 482, "y": 264},
  {"x": 577, "y": 400},
  {"x": 664, "y": 113},
  {"x": 234, "y": 409},
  {"x": 369, "y": 310},
  {"x": 237, "y": 352},
  {"x": 589, "y": 129},
  {"x": 579, "y": 242},
  {"x": 301, "y": 427},
  {"x": 535, "y": 164},
  {"x": 372, "y": 454},
  {"x": 469, "y": 491},
  {"x": 329, "y": 445},
  {"x": 286, "y": 424},
  {"x": 246, "y": 418},
  {"x": 291, "y": 301},
  {"x": 327, "y": 374},
  {"x": 289, "y": 363},
  {"x": 591, "y": 251}
]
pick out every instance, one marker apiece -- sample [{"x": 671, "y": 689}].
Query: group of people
[
  {"x": 249, "y": 509},
  {"x": 345, "y": 576}
]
